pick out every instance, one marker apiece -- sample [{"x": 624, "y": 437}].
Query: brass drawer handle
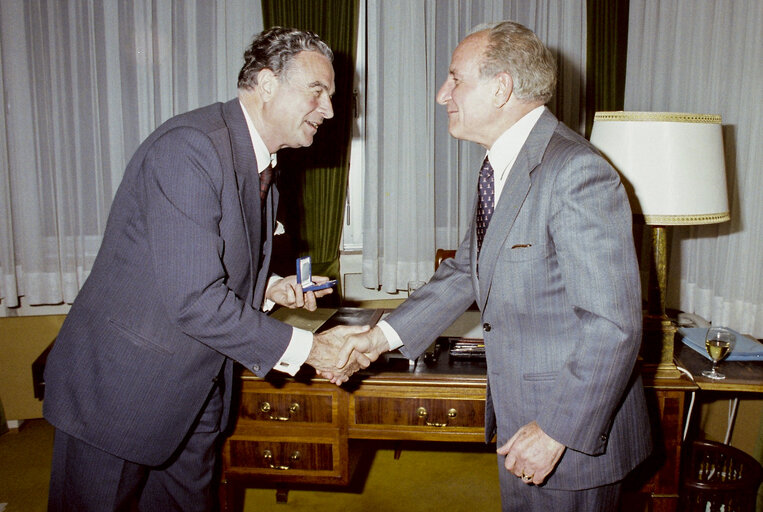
[
  {"x": 266, "y": 408},
  {"x": 422, "y": 413},
  {"x": 268, "y": 456}
]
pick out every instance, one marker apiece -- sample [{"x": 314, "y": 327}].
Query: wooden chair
[
  {"x": 718, "y": 477},
  {"x": 442, "y": 254}
]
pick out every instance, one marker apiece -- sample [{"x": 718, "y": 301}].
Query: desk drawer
[
  {"x": 423, "y": 412},
  {"x": 281, "y": 456},
  {"x": 274, "y": 406},
  {"x": 430, "y": 413},
  {"x": 287, "y": 455}
]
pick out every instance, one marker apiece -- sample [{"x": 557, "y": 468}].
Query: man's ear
[
  {"x": 504, "y": 88},
  {"x": 267, "y": 83}
]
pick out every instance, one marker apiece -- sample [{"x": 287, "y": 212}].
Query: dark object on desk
[
  {"x": 353, "y": 316},
  {"x": 38, "y": 370},
  {"x": 717, "y": 474},
  {"x": 437, "y": 364},
  {"x": 431, "y": 354}
]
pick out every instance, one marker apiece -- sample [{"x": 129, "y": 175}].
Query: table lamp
[{"x": 672, "y": 166}]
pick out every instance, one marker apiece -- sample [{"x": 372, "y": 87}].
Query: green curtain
[
  {"x": 313, "y": 181},
  {"x": 606, "y": 55}
]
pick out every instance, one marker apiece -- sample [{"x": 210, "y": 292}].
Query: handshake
[{"x": 341, "y": 351}]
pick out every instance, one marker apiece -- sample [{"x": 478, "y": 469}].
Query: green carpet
[
  {"x": 426, "y": 477},
  {"x": 453, "y": 478},
  {"x": 25, "y": 467}
]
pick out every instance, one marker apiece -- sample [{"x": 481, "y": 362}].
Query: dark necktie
[
  {"x": 266, "y": 176},
  {"x": 486, "y": 191},
  {"x": 266, "y": 179}
]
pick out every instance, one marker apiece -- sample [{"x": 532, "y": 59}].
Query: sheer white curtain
[
  {"x": 705, "y": 57},
  {"x": 399, "y": 126},
  {"x": 82, "y": 83},
  {"x": 420, "y": 182}
]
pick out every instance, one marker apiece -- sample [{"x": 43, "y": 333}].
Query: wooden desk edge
[{"x": 681, "y": 383}]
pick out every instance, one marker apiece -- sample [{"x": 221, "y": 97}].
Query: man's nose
[
  {"x": 443, "y": 95},
  {"x": 326, "y": 109}
]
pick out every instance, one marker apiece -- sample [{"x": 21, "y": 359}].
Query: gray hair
[
  {"x": 275, "y": 49},
  {"x": 516, "y": 50}
]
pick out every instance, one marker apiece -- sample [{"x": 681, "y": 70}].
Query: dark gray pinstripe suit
[
  {"x": 173, "y": 295},
  {"x": 559, "y": 285}
]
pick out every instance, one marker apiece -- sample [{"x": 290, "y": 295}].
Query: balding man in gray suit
[
  {"x": 550, "y": 262},
  {"x": 138, "y": 384}
]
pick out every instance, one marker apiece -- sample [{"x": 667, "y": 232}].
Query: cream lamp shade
[{"x": 672, "y": 164}]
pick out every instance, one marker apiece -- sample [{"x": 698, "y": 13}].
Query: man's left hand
[
  {"x": 531, "y": 454},
  {"x": 287, "y": 292}
]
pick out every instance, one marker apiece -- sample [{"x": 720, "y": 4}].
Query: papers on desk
[
  {"x": 745, "y": 349},
  {"x": 466, "y": 348}
]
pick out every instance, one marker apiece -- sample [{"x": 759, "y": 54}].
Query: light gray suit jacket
[
  {"x": 173, "y": 295},
  {"x": 558, "y": 289}
]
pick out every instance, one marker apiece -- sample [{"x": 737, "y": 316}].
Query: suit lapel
[
  {"x": 514, "y": 193},
  {"x": 248, "y": 181}
]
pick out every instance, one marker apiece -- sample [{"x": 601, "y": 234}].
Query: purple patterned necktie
[{"x": 486, "y": 191}]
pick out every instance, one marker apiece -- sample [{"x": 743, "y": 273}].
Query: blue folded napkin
[{"x": 744, "y": 349}]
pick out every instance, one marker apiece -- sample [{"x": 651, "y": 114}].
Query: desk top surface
[
  {"x": 437, "y": 365},
  {"x": 741, "y": 376}
]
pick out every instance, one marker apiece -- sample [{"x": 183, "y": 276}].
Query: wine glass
[{"x": 718, "y": 343}]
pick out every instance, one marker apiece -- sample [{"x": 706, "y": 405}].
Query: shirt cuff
[
  {"x": 391, "y": 334},
  {"x": 296, "y": 353}
]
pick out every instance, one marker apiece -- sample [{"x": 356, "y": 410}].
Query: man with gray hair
[
  {"x": 549, "y": 259},
  {"x": 138, "y": 383}
]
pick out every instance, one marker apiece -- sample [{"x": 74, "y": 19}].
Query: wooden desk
[
  {"x": 302, "y": 430},
  {"x": 658, "y": 478}
]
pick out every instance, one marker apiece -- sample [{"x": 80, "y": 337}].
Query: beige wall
[
  {"x": 747, "y": 429},
  {"x": 22, "y": 339}
]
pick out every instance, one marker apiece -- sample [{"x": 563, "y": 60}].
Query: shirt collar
[
  {"x": 505, "y": 149},
  {"x": 264, "y": 158}
]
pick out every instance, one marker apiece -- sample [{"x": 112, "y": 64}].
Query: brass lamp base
[
  {"x": 657, "y": 348},
  {"x": 659, "y": 331}
]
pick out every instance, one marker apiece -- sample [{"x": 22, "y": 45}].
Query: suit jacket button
[
  {"x": 256, "y": 367},
  {"x": 604, "y": 438},
  {"x": 486, "y": 327}
]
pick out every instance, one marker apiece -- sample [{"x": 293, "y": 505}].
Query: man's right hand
[{"x": 363, "y": 348}]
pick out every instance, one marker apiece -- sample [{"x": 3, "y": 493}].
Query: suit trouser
[
  {"x": 85, "y": 478},
  {"x": 517, "y": 496}
]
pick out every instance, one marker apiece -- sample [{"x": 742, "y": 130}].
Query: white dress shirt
[
  {"x": 502, "y": 155},
  {"x": 301, "y": 340}
]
